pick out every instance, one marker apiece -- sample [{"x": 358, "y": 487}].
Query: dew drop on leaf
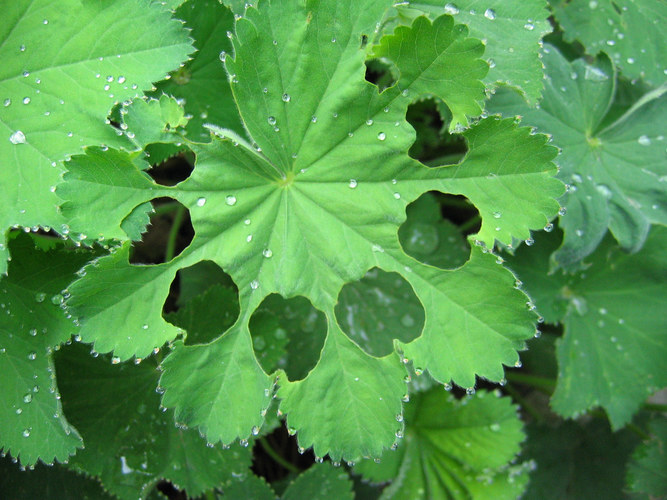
[
  {"x": 267, "y": 253},
  {"x": 382, "y": 136},
  {"x": 32, "y": 356},
  {"x": 286, "y": 98},
  {"x": 17, "y": 137},
  {"x": 230, "y": 200},
  {"x": 490, "y": 14},
  {"x": 26, "y": 433},
  {"x": 201, "y": 202},
  {"x": 644, "y": 140},
  {"x": 352, "y": 184},
  {"x": 7, "y": 102},
  {"x": 451, "y": 9}
]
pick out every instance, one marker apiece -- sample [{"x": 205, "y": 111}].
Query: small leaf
[{"x": 646, "y": 470}]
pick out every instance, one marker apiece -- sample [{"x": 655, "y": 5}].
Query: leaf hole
[
  {"x": 288, "y": 334},
  {"x": 436, "y": 227},
  {"x": 171, "y": 164},
  {"x": 162, "y": 238},
  {"x": 203, "y": 300},
  {"x": 377, "y": 309},
  {"x": 381, "y": 72},
  {"x": 434, "y": 145}
]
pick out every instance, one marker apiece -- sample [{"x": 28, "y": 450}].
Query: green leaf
[
  {"x": 429, "y": 238},
  {"x": 377, "y": 309},
  {"x": 630, "y": 31},
  {"x": 613, "y": 351},
  {"x": 130, "y": 443},
  {"x": 47, "y": 483},
  {"x": 148, "y": 121},
  {"x": 250, "y": 486},
  {"x": 320, "y": 482},
  {"x": 440, "y": 60},
  {"x": 596, "y": 157},
  {"x": 583, "y": 461},
  {"x": 646, "y": 470},
  {"x": 512, "y": 30},
  {"x": 46, "y": 47},
  {"x": 318, "y": 207},
  {"x": 454, "y": 449},
  {"x": 202, "y": 83},
  {"x": 31, "y": 326}
]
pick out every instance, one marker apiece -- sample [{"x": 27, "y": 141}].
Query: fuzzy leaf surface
[
  {"x": 317, "y": 208},
  {"x": 615, "y": 344},
  {"x": 453, "y": 449},
  {"x": 618, "y": 172},
  {"x": 513, "y": 30},
  {"x": 130, "y": 443},
  {"x": 61, "y": 76},
  {"x": 32, "y": 424},
  {"x": 632, "y": 32}
]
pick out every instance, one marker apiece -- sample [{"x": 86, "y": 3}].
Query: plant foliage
[{"x": 361, "y": 231}]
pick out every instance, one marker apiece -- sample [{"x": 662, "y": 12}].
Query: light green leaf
[
  {"x": 47, "y": 483},
  {"x": 32, "y": 424},
  {"x": 617, "y": 172},
  {"x": 320, "y": 482},
  {"x": 575, "y": 460},
  {"x": 130, "y": 443},
  {"x": 202, "y": 83},
  {"x": 148, "y": 121},
  {"x": 440, "y": 60},
  {"x": 632, "y": 32},
  {"x": 60, "y": 77},
  {"x": 647, "y": 468},
  {"x": 318, "y": 207},
  {"x": 615, "y": 344},
  {"x": 512, "y": 31},
  {"x": 454, "y": 449}
]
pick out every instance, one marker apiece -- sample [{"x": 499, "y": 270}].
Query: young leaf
[
  {"x": 454, "y": 449},
  {"x": 316, "y": 208},
  {"x": 615, "y": 344},
  {"x": 45, "y": 48},
  {"x": 647, "y": 468},
  {"x": 512, "y": 30},
  {"x": 130, "y": 443},
  {"x": 632, "y": 32},
  {"x": 596, "y": 159},
  {"x": 32, "y": 424}
]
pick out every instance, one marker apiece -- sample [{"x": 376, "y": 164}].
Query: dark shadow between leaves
[
  {"x": 288, "y": 334},
  {"x": 168, "y": 233},
  {"x": 377, "y": 309}
]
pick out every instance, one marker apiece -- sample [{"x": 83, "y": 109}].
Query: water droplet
[
  {"x": 121, "y": 79},
  {"x": 7, "y": 102},
  {"x": 286, "y": 97},
  {"x": 267, "y": 253},
  {"x": 254, "y": 284},
  {"x": 530, "y": 241},
  {"x": 271, "y": 120},
  {"x": 497, "y": 215},
  {"x": 17, "y": 137},
  {"x": 405, "y": 93},
  {"x": 255, "y": 430},
  {"x": 529, "y": 26},
  {"x": 631, "y": 60},
  {"x": 313, "y": 119},
  {"x": 382, "y": 136},
  {"x": 352, "y": 184},
  {"x": 40, "y": 297},
  {"x": 397, "y": 196},
  {"x": 32, "y": 356},
  {"x": 27, "y": 398},
  {"x": 230, "y": 200},
  {"x": 369, "y": 122},
  {"x": 490, "y": 14},
  {"x": 470, "y": 391},
  {"x": 603, "y": 190},
  {"x": 19, "y": 411},
  {"x": 593, "y": 4},
  {"x": 248, "y": 238},
  {"x": 115, "y": 360},
  {"x": 451, "y": 9},
  {"x": 201, "y": 202},
  {"x": 644, "y": 140},
  {"x": 26, "y": 433},
  {"x": 562, "y": 211},
  {"x": 495, "y": 427}
]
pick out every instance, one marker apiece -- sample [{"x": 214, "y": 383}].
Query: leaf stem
[
  {"x": 470, "y": 223},
  {"x": 275, "y": 456},
  {"x": 173, "y": 233},
  {"x": 543, "y": 384},
  {"x": 654, "y": 407}
]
